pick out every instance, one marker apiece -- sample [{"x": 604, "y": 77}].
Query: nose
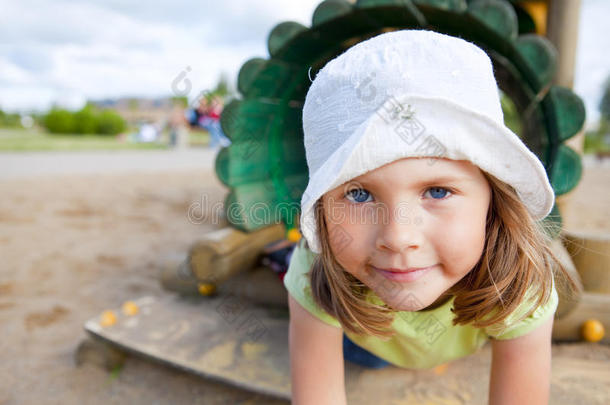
[{"x": 401, "y": 230}]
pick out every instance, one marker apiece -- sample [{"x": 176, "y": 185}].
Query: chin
[{"x": 406, "y": 302}]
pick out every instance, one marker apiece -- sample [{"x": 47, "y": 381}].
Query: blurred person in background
[
  {"x": 207, "y": 116},
  {"x": 178, "y": 135}
]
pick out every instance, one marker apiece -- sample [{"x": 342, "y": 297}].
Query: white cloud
[
  {"x": 592, "y": 60},
  {"x": 113, "y": 48},
  {"x": 68, "y": 51}
]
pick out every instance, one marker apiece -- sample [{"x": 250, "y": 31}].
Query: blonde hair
[{"x": 516, "y": 256}]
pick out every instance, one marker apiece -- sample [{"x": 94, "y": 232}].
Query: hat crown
[{"x": 355, "y": 84}]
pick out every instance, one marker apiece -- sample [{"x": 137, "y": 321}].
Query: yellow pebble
[
  {"x": 130, "y": 308},
  {"x": 441, "y": 369},
  {"x": 108, "y": 318},
  {"x": 592, "y": 330},
  {"x": 206, "y": 288},
  {"x": 294, "y": 235}
]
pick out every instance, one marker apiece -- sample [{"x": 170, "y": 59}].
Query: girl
[{"x": 420, "y": 228}]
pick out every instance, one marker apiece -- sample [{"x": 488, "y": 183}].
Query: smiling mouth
[
  {"x": 409, "y": 270},
  {"x": 403, "y": 276}
]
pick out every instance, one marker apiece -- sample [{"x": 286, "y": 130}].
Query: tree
[
  {"x": 599, "y": 140},
  {"x": 9, "y": 120},
  {"x": 222, "y": 87},
  {"x": 181, "y": 101},
  {"x": 604, "y": 104}
]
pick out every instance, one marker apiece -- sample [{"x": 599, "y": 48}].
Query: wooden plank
[
  {"x": 590, "y": 252},
  {"x": 591, "y": 306},
  {"x": 229, "y": 339},
  {"x": 222, "y": 337}
]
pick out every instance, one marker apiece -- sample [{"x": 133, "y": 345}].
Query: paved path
[{"x": 35, "y": 164}]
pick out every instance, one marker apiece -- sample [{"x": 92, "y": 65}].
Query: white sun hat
[{"x": 411, "y": 93}]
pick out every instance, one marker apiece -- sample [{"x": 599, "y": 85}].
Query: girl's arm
[
  {"x": 316, "y": 359},
  {"x": 521, "y": 368}
]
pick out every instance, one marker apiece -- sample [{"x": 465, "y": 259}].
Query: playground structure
[{"x": 265, "y": 167}]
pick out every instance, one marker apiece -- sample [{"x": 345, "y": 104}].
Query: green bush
[
  {"x": 110, "y": 123},
  {"x": 85, "y": 121},
  {"x": 597, "y": 140},
  {"x": 9, "y": 120},
  {"x": 59, "y": 121}
]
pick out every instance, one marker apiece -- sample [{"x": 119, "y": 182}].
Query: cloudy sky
[{"x": 67, "y": 51}]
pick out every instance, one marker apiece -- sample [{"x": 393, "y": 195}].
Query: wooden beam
[{"x": 562, "y": 30}]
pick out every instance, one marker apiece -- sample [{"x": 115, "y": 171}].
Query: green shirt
[{"x": 424, "y": 339}]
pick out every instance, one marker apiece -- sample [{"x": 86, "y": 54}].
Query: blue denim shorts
[{"x": 358, "y": 355}]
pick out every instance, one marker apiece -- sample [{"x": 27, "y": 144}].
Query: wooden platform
[
  {"x": 223, "y": 337},
  {"x": 230, "y": 339}
]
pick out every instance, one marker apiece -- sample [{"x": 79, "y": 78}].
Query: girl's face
[{"x": 410, "y": 214}]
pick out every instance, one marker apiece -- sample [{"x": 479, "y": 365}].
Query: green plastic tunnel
[{"x": 265, "y": 167}]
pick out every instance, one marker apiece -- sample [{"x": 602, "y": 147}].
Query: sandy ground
[{"x": 72, "y": 246}]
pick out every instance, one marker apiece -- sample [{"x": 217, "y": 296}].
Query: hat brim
[{"x": 431, "y": 127}]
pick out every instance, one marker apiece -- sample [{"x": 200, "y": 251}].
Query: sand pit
[{"x": 73, "y": 246}]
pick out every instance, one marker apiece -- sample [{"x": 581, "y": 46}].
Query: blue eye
[
  {"x": 359, "y": 195},
  {"x": 438, "y": 191}
]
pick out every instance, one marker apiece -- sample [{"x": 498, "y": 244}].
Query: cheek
[
  {"x": 462, "y": 239},
  {"x": 349, "y": 243},
  {"x": 468, "y": 223}
]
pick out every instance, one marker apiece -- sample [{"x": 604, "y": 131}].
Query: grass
[
  {"x": 199, "y": 138},
  {"x": 594, "y": 143},
  {"x": 25, "y": 140}
]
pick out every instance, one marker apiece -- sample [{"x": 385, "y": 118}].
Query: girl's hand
[
  {"x": 316, "y": 359},
  {"x": 521, "y": 368}
]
